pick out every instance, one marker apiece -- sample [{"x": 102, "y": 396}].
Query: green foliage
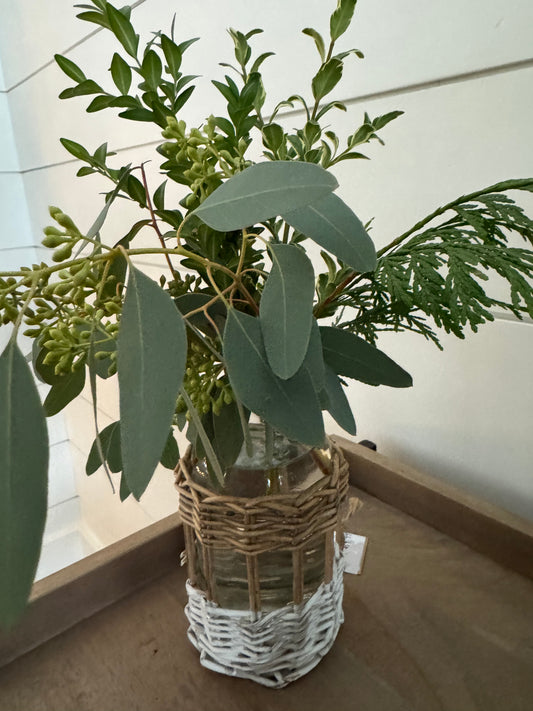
[
  {"x": 149, "y": 377},
  {"x": 23, "y": 482},
  {"x": 436, "y": 274},
  {"x": 289, "y": 405},
  {"x": 232, "y": 327},
  {"x": 286, "y": 309},
  {"x": 263, "y": 191}
]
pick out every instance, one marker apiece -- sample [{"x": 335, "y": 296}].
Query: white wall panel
[
  {"x": 15, "y": 228},
  {"x": 468, "y": 417},
  {"x": 24, "y": 26},
  {"x": 8, "y": 153},
  {"x": 488, "y": 34}
]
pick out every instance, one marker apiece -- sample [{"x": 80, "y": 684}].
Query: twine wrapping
[{"x": 251, "y": 526}]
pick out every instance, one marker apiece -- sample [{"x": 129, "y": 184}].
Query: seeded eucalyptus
[{"x": 235, "y": 325}]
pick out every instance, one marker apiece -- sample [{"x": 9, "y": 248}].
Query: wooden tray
[{"x": 430, "y": 624}]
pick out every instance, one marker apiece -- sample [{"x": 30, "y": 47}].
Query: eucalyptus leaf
[
  {"x": 314, "y": 359},
  {"x": 110, "y": 444},
  {"x": 225, "y": 433},
  {"x": 291, "y": 406},
  {"x": 333, "y": 225},
  {"x": 23, "y": 482},
  {"x": 263, "y": 191},
  {"x": 64, "y": 391},
  {"x": 286, "y": 308},
  {"x": 351, "y": 356},
  {"x": 124, "y": 492},
  {"x": 150, "y": 374},
  {"x": 337, "y": 402},
  {"x": 171, "y": 453}
]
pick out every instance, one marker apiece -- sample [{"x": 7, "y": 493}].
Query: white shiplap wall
[{"x": 462, "y": 73}]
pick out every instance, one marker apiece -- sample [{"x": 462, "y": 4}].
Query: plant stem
[
  {"x": 245, "y": 429},
  {"x": 210, "y": 452},
  {"x": 497, "y": 187},
  {"x": 153, "y": 216},
  {"x": 269, "y": 444}
]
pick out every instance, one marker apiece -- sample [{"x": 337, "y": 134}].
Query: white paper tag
[{"x": 354, "y": 553}]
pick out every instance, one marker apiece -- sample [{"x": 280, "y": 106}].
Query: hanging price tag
[{"x": 354, "y": 553}]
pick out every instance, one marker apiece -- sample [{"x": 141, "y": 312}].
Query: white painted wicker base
[{"x": 271, "y": 648}]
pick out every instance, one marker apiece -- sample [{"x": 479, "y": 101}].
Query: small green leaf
[
  {"x": 332, "y": 224},
  {"x": 96, "y": 17},
  {"x": 23, "y": 482},
  {"x": 136, "y": 190},
  {"x": 151, "y": 69},
  {"x": 150, "y": 374},
  {"x": 291, "y": 406},
  {"x": 85, "y": 170},
  {"x": 123, "y": 30},
  {"x": 286, "y": 309},
  {"x": 318, "y": 41},
  {"x": 351, "y": 356},
  {"x": 137, "y": 114},
  {"x": 84, "y": 88},
  {"x": 337, "y": 402},
  {"x": 255, "y": 66},
  {"x": 273, "y": 136},
  {"x": 71, "y": 70},
  {"x": 76, "y": 149},
  {"x": 121, "y": 73},
  {"x": 327, "y": 78},
  {"x": 225, "y": 433},
  {"x": 314, "y": 359},
  {"x": 171, "y": 454},
  {"x": 341, "y": 18},
  {"x": 69, "y": 387},
  {"x": 99, "y": 103},
  {"x": 124, "y": 492},
  {"x": 173, "y": 56},
  {"x": 110, "y": 443},
  {"x": 159, "y": 196},
  {"x": 263, "y": 191}
]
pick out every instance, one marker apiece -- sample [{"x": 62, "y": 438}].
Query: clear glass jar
[{"x": 288, "y": 467}]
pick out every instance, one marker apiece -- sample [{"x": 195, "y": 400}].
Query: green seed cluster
[
  {"x": 181, "y": 285},
  {"x": 203, "y": 156},
  {"x": 205, "y": 381},
  {"x": 69, "y": 306}
]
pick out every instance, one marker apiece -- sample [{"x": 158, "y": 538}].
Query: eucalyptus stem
[
  {"x": 269, "y": 443},
  {"x": 245, "y": 429},
  {"x": 209, "y": 451}
]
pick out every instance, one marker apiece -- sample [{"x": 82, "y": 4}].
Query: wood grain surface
[{"x": 430, "y": 626}]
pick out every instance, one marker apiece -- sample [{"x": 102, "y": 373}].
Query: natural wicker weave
[{"x": 251, "y": 526}]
